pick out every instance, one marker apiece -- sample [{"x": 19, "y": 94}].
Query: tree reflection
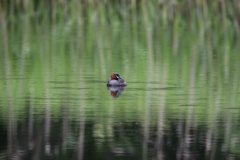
[{"x": 181, "y": 101}]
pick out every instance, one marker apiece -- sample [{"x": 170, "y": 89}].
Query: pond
[{"x": 181, "y": 100}]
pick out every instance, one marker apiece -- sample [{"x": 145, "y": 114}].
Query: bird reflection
[{"x": 116, "y": 91}]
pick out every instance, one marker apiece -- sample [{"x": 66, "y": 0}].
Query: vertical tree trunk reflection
[
  {"x": 161, "y": 113},
  {"x": 150, "y": 77},
  {"x": 190, "y": 119},
  {"x": 30, "y": 119},
  {"x": 82, "y": 120},
  {"x": 80, "y": 149},
  {"x": 10, "y": 112}
]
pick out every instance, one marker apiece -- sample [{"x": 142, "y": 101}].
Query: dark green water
[{"x": 181, "y": 101}]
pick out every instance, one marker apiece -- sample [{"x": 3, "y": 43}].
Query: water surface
[{"x": 181, "y": 101}]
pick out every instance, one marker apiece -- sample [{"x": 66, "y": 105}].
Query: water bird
[{"x": 116, "y": 80}]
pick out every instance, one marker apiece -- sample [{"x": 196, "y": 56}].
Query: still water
[{"x": 181, "y": 99}]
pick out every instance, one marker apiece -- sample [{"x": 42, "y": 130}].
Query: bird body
[{"x": 116, "y": 80}]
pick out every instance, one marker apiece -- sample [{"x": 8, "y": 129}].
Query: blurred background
[{"x": 180, "y": 59}]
